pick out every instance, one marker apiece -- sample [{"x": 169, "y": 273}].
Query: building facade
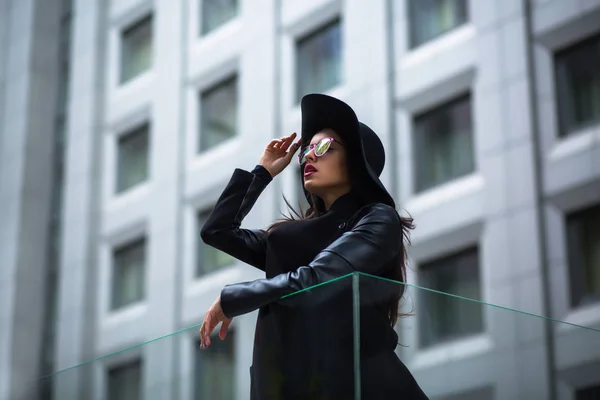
[{"x": 122, "y": 121}]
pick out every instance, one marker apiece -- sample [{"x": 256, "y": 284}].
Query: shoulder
[{"x": 380, "y": 215}]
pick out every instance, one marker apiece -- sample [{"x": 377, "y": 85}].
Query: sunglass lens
[
  {"x": 322, "y": 147},
  {"x": 302, "y": 155}
]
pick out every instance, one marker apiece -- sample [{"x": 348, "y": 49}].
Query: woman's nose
[{"x": 311, "y": 155}]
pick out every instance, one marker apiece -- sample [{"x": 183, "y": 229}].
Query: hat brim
[{"x": 320, "y": 112}]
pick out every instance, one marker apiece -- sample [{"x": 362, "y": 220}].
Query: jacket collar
[{"x": 344, "y": 206}]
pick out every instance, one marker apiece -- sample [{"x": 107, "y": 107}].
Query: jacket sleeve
[
  {"x": 368, "y": 247},
  {"x": 222, "y": 228}
]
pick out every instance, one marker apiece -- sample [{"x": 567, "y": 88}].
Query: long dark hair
[{"x": 398, "y": 264}]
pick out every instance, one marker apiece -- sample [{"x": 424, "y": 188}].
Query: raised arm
[
  {"x": 222, "y": 229},
  {"x": 368, "y": 247}
]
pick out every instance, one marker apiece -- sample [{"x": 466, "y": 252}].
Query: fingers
[
  {"x": 205, "y": 331},
  {"x": 293, "y": 150},
  {"x": 282, "y": 143},
  {"x": 224, "y": 328}
]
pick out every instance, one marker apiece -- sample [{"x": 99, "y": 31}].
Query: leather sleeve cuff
[{"x": 261, "y": 172}]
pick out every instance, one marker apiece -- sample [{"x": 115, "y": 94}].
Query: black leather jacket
[{"x": 303, "y": 344}]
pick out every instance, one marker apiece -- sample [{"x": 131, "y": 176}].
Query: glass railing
[{"x": 337, "y": 344}]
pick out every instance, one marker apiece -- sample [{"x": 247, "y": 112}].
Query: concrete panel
[
  {"x": 518, "y": 116},
  {"x": 495, "y": 170},
  {"x": 489, "y": 58},
  {"x": 489, "y": 121},
  {"x": 523, "y": 243},
  {"x": 495, "y": 255},
  {"x": 512, "y": 37},
  {"x": 484, "y": 15},
  {"x": 520, "y": 176}
]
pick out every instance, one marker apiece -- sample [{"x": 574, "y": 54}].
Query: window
[
  {"x": 578, "y": 85},
  {"x": 132, "y": 158},
  {"x": 443, "y": 318},
  {"x": 443, "y": 140},
  {"x": 129, "y": 263},
  {"x": 208, "y": 258},
  {"x": 136, "y": 49},
  {"x": 429, "y": 19},
  {"x": 319, "y": 60},
  {"x": 583, "y": 243},
  {"x": 589, "y": 393},
  {"x": 215, "y": 369},
  {"x": 218, "y": 114},
  {"x": 216, "y": 13},
  {"x": 125, "y": 382}
]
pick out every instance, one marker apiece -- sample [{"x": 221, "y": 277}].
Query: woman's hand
[
  {"x": 276, "y": 155},
  {"x": 213, "y": 316}
]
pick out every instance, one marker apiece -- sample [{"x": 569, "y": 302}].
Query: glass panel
[
  {"x": 444, "y": 144},
  {"x": 208, "y": 258},
  {"x": 578, "y": 84},
  {"x": 432, "y": 18},
  {"x": 136, "y": 49},
  {"x": 508, "y": 359},
  {"x": 218, "y": 114},
  {"x": 129, "y": 263},
  {"x": 339, "y": 330},
  {"x": 132, "y": 167},
  {"x": 319, "y": 60},
  {"x": 215, "y": 369},
  {"x": 583, "y": 238},
  {"x": 216, "y": 13}
]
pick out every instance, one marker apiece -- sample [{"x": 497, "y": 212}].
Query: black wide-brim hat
[{"x": 363, "y": 146}]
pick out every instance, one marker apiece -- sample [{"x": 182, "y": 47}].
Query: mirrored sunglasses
[{"x": 319, "y": 148}]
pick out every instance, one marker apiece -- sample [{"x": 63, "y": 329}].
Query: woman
[{"x": 303, "y": 344}]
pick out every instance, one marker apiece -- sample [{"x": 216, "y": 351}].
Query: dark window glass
[
  {"x": 578, "y": 85},
  {"x": 443, "y": 140},
  {"x": 136, "y": 49},
  {"x": 444, "y": 318},
  {"x": 218, "y": 114},
  {"x": 129, "y": 264},
  {"x": 319, "y": 60},
  {"x": 215, "y": 369},
  {"x": 132, "y": 158},
  {"x": 125, "y": 382},
  {"x": 583, "y": 242},
  {"x": 216, "y": 13},
  {"x": 429, "y": 19}
]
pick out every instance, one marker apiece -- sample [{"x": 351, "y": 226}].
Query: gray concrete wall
[{"x": 29, "y": 93}]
